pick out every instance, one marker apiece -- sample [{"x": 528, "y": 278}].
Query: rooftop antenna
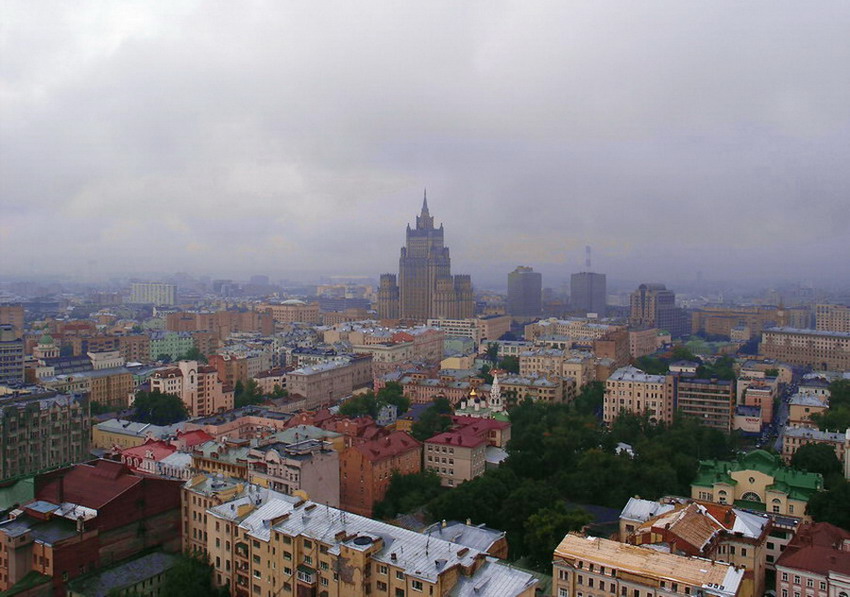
[{"x": 587, "y": 257}]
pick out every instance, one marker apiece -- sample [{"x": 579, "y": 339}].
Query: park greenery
[
  {"x": 158, "y": 408},
  {"x": 370, "y": 403},
  {"x": 721, "y": 368},
  {"x": 560, "y": 456},
  {"x": 436, "y": 419}
]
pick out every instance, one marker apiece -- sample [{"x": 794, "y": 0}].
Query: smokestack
[{"x": 587, "y": 257}]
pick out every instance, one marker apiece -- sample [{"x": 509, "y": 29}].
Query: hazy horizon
[{"x": 230, "y": 139}]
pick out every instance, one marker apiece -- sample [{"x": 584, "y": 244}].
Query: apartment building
[
  {"x": 705, "y": 530},
  {"x": 308, "y": 468},
  {"x": 634, "y": 391},
  {"x": 11, "y": 355},
  {"x": 832, "y": 318},
  {"x": 292, "y": 311},
  {"x": 816, "y": 563},
  {"x": 593, "y": 567},
  {"x": 366, "y": 468},
  {"x": 153, "y": 293},
  {"x": 572, "y": 328},
  {"x": 326, "y": 383},
  {"x": 269, "y": 544},
  {"x": 802, "y": 406},
  {"x": 820, "y": 350},
  {"x": 13, "y": 315},
  {"x": 455, "y": 456},
  {"x": 710, "y": 401},
  {"x": 579, "y": 365},
  {"x": 198, "y": 386},
  {"x": 42, "y": 431}
]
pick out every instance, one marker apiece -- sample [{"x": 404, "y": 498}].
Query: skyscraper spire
[
  {"x": 425, "y": 203},
  {"x": 424, "y": 221}
]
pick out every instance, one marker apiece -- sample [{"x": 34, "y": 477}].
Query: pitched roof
[
  {"x": 91, "y": 485},
  {"x": 820, "y": 548},
  {"x": 394, "y": 444}
]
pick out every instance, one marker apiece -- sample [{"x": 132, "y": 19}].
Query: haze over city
[{"x": 287, "y": 137}]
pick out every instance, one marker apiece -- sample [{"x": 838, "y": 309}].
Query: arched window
[
  {"x": 776, "y": 501},
  {"x": 751, "y": 496}
]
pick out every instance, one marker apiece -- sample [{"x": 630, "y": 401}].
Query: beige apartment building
[
  {"x": 596, "y": 567},
  {"x": 574, "y": 329},
  {"x": 273, "y": 545},
  {"x": 198, "y": 387},
  {"x": 832, "y": 318},
  {"x": 486, "y": 328},
  {"x": 801, "y": 407},
  {"x": 710, "y": 401},
  {"x": 292, "y": 311},
  {"x": 645, "y": 341},
  {"x": 634, "y": 391},
  {"x": 455, "y": 456},
  {"x": 821, "y": 350},
  {"x": 565, "y": 363},
  {"x": 325, "y": 383},
  {"x": 793, "y": 438}
]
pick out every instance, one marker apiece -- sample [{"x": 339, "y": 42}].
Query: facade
[
  {"x": 819, "y": 350},
  {"x": 653, "y": 305},
  {"x": 308, "y": 468},
  {"x": 486, "y": 328},
  {"x": 455, "y": 457},
  {"x": 293, "y": 311},
  {"x": 643, "y": 342},
  {"x": 13, "y": 314},
  {"x": 11, "y": 355},
  {"x": 153, "y": 293},
  {"x": 173, "y": 344},
  {"x": 198, "y": 386},
  {"x": 758, "y": 480},
  {"x": 326, "y": 383},
  {"x": 634, "y": 391},
  {"x": 135, "y": 348},
  {"x": 426, "y": 288},
  {"x": 42, "y": 432},
  {"x": 816, "y": 563},
  {"x": 366, "y": 468},
  {"x": 802, "y": 406},
  {"x": 525, "y": 293},
  {"x": 588, "y": 293},
  {"x": 589, "y": 566},
  {"x": 832, "y": 318},
  {"x": 722, "y": 321},
  {"x": 266, "y": 543},
  {"x": 711, "y": 401}
]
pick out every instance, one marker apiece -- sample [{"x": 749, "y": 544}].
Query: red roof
[
  {"x": 157, "y": 448},
  {"x": 820, "y": 548},
  {"x": 394, "y": 444},
  {"x": 193, "y": 438},
  {"x": 458, "y": 438},
  {"x": 92, "y": 486}
]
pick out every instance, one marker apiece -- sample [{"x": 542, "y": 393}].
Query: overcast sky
[{"x": 234, "y": 138}]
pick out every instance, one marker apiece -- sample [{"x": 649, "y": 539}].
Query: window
[
  {"x": 743, "y": 551},
  {"x": 590, "y": 582},
  {"x": 399, "y": 574},
  {"x": 324, "y": 581},
  {"x": 416, "y": 585},
  {"x": 823, "y": 585},
  {"x": 382, "y": 569},
  {"x": 784, "y": 576},
  {"x": 796, "y": 579},
  {"x": 562, "y": 592},
  {"x": 810, "y": 582},
  {"x": 382, "y": 586}
]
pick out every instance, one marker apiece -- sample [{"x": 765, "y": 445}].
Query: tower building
[
  {"x": 588, "y": 293},
  {"x": 525, "y": 287},
  {"x": 425, "y": 287}
]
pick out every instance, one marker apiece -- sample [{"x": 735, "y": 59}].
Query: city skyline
[{"x": 207, "y": 138}]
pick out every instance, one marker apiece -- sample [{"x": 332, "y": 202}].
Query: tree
[
  {"x": 407, "y": 493},
  {"x": 835, "y": 418},
  {"x": 247, "y": 393},
  {"x": 158, "y": 408},
  {"x": 510, "y": 363},
  {"x": 590, "y": 399},
  {"x": 492, "y": 352},
  {"x": 832, "y": 506},
  {"x": 191, "y": 576},
  {"x": 358, "y": 406},
  {"x": 817, "y": 458},
  {"x": 279, "y": 392},
  {"x": 722, "y": 368},
  {"x": 393, "y": 393},
  {"x": 193, "y": 354},
  {"x": 98, "y": 409},
  {"x": 681, "y": 353},
  {"x": 652, "y": 365},
  {"x": 434, "y": 420},
  {"x": 771, "y": 372},
  {"x": 547, "y": 527}
]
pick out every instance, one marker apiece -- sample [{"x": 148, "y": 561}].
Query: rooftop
[
  {"x": 630, "y": 373},
  {"x": 715, "y": 578}
]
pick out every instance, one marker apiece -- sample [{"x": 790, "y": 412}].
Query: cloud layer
[{"x": 227, "y": 137}]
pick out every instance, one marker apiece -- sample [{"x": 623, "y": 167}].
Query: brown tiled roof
[
  {"x": 90, "y": 485},
  {"x": 820, "y": 548},
  {"x": 386, "y": 447}
]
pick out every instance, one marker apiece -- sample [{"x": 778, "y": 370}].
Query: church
[{"x": 425, "y": 287}]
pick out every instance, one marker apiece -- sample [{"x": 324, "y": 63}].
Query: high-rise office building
[
  {"x": 525, "y": 287},
  {"x": 425, "y": 288},
  {"x": 152, "y": 293},
  {"x": 11, "y": 355},
  {"x": 654, "y": 306},
  {"x": 832, "y": 318},
  {"x": 588, "y": 293}
]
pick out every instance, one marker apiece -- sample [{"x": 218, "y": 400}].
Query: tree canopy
[
  {"x": 245, "y": 394},
  {"x": 434, "y": 420},
  {"x": 158, "y": 408},
  {"x": 191, "y": 576},
  {"x": 370, "y": 403},
  {"x": 837, "y": 418}
]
